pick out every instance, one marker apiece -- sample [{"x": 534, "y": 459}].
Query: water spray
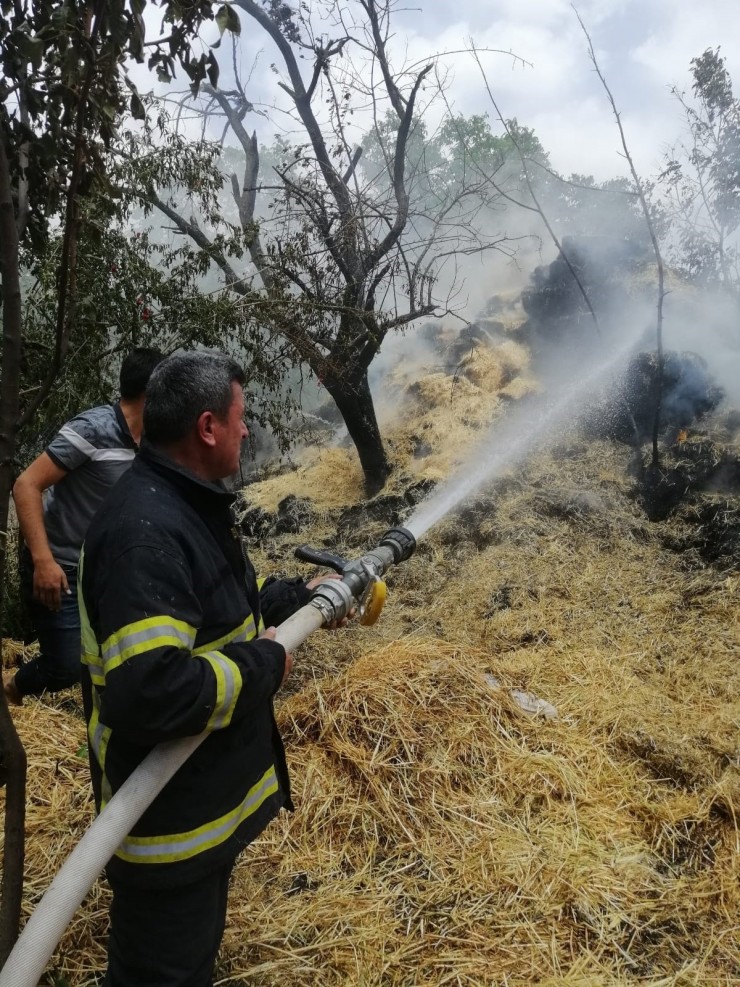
[
  {"x": 360, "y": 586},
  {"x": 517, "y": 436}
]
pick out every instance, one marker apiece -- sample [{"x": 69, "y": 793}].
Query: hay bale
[{"x": 437, "y": 390}]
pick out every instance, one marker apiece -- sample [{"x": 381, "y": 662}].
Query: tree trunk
[
  {"x": 13, "y": 775},
  {"x": 352, "y": 397},
  {"x": 12, "y": 755}
]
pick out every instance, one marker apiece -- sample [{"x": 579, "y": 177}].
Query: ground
[{"x": 443, "y": 834}]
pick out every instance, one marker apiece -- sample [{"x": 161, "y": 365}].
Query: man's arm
[
  {"x": 49, "y": 579},
  {"x": 158, "y": 686}
]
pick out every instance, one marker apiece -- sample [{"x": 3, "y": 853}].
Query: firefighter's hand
[
  {"x": 270, "y": 635},
  {"x": 334, "y": 624},
  {"x": 49, "y": 582}
]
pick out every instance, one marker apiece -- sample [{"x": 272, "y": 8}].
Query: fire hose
[{"x": 360, "y": 586}]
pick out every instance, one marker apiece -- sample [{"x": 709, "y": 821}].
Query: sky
[{"x": 644, "y": 48}]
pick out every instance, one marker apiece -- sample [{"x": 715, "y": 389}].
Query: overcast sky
[{"x": 644, "y": 48}]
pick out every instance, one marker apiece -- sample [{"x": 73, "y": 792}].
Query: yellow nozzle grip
[{"x": 370, "y": 610}]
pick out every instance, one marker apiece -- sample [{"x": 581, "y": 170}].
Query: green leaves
[
  {"x": 59, "y": 67},
  {"x": 227, "y": 19},
  {"x": 703, "y": 177},
  {"x": 137, "y": 107},
  {"x": 33, "y": 49}
]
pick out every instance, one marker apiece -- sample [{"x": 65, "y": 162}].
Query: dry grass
[
  {"x": 446, "y": 412},
  {"x": 446, "y": 837},
  {"x": 336, "y": 472},
  {"x": 59, "y": 807},
  {"x": 442, "y": 835}
]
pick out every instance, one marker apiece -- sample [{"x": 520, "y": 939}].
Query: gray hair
[{"x": 182, "y": 387}]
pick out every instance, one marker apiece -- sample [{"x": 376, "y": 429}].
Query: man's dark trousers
[
  {"x": 167, "y": 937},
  {"x": 57, "y": 666}
]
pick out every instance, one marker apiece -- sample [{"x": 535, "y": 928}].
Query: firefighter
[
  {"x": 55, "y": 499},
  {"x": 174, "y": 644}
]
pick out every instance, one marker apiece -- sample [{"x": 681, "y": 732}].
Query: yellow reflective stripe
[
  {"x": 182, "y": 846},
  {"x": 95, "y": 667},
  {"x": 261, "y": 580},
  {"x": 146, "y": 635},
  {"x": 98, "y": 737},
  {"x": 228, "y": 687},
  {"x": 89, "y": 641},
  {"x": 244, "y": 632}
]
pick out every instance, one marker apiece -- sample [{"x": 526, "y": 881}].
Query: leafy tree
[
  {"x": 703, "y": 176},
  {"x": 463, "y": 167},
  {"x": 134, "y": 290},
  {"x": 63, "y": 89},
  {"x": 471, "y": 147}
]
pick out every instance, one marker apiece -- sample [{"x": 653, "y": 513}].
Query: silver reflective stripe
[
  {"x": 145, "y": 635},
  {"x": 97, "y": 672},
  {"x": 98, "y": 737},
  {"x": 244, "y": 632},
  {"x": 181, "y": 846}
]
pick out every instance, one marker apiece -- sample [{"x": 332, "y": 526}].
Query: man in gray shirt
[{"x": 56, "y": 497}]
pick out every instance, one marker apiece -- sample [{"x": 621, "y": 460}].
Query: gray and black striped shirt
[{"x": 95, "y": 448}]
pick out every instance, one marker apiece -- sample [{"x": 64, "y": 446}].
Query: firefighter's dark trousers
[{"x": 167, "y": 938}]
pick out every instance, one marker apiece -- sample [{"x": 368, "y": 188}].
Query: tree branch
[
  {"x": 653, "y": 238},
  {"x": 198, "y": 237},
  {"x": 399, "y": 188}
]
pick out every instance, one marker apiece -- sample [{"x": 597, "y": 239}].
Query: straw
[{"x": 443, "y": 835}]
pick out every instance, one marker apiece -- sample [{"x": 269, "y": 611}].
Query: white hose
[{"x": 46, "y": 926}]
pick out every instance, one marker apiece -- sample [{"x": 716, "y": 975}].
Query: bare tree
[
  {"x": 639, "y": 186},
  {"x": 344, "y": 257}
]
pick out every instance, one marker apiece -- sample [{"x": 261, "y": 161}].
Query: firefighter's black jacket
[{"x": 170, "y": 608}]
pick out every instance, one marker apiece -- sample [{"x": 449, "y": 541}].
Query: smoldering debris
[
  {"x": 557, "y": 311},
  {"x": 353, "y": 526},
  {"x": 696, "y": 466},
  {"x": 713, "y": 534},
  {"x": 626, "y": 411}
]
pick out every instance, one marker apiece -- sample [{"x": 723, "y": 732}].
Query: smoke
[
  {"x": 707, "y": 323},
  {"x": 581, "y": 368},
  {"x": 527, "y": 427}
]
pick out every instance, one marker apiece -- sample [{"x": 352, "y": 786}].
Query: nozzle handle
[{"x": 318, "y": 556}]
